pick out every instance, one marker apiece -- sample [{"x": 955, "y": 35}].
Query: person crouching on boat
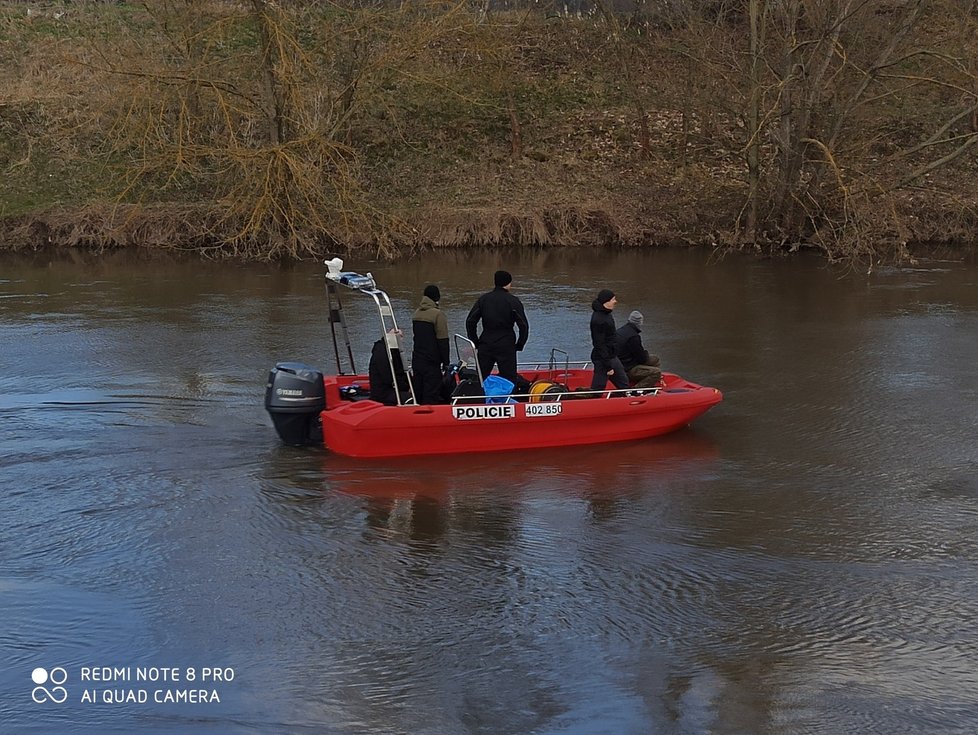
[
  {"x": 382, "y": 382},
  {"x": 499, "y": 311},
  {"x": 641, "y": 368},
  {"x": 431, "y": 353},
  {"x": 604, "y": 352}
]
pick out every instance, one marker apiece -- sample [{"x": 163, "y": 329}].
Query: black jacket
[
  {"x": 499, "y": 311},
  {"x": 381, "y": 380},
  {"x": 602, "y": 333},
  {"x": 430, "y": 335},
  {"x": 630, "y": 348}
]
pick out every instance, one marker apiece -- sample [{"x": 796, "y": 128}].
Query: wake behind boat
[{"x": 308, "y": 407}]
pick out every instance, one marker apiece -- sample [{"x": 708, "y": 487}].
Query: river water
[{"x": 803, "y": 559}]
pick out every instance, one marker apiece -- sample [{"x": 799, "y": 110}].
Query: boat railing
[
  {"x": 557, "y": 397},
  {"x": 467, "y": 354},
  {"x": 554, "y": 363},
  {"x": 569, "y": 365},
  {"x": 558, "y": 365}
]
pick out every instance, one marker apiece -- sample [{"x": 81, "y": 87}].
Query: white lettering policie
[{"x": 503, "y": 411}]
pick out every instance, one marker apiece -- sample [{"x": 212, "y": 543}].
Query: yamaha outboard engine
[{"x": 294, "y": 396}]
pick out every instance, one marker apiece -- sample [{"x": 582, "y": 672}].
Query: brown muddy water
[{"x": 803, "y": 559}]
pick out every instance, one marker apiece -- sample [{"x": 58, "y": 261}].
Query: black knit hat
[
  {"x": 605, "y": 295},
  {"x": 502, "y": 278},
  {"x": 432, "y": 293}
]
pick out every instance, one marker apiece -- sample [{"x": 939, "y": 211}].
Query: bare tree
[
  {"x": 626, "y": 53},
  {"x": 826, "y": 94},
  {"x": 263, "y": 127}
]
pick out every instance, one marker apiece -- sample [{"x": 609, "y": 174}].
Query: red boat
[{"x": 308, "y": 407}]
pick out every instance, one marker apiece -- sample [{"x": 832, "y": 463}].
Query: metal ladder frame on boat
[{"x": 388, "y": 322}]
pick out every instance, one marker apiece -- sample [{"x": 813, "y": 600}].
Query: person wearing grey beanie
[{"x": 641, "y": 368}]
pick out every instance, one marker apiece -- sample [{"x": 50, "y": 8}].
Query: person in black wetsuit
[
  {"x": 430, "y": 357},
  {"x": 604, "y": 354},
  {"x": 499, "y": 311}
]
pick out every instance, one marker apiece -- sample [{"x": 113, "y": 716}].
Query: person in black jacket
[
  {"x": 641, "y": 367},
  {"x": 499, "y": 312},
  {"x": 382, "y": 381},
  {"x": 604, "y": 352},
  {"x": 431, "y": 352}
]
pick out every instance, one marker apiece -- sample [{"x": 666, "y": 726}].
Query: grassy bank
[{"x": 304, "y": 131}]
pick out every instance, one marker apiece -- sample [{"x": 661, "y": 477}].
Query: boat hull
[{"x": 368, "y": 429}]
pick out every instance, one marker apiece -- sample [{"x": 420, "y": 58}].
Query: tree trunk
[
  {"x": 687, "y": 112},
  {"x": 754, "y": 117},
  {"x": 271, "y": 92},
  {"x": 516, "y": 138}
]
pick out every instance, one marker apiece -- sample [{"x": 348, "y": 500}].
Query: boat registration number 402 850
[{"x": 543, "y": 409}]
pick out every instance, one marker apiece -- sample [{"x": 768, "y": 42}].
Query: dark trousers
[
  {"x": 503, "y": 355},
  {"x": 427, "y": 381},
  {"x": 644, "y": 376},
  {"x": 601, "y": 367}
]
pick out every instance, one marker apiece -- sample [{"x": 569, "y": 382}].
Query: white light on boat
[{"x": 333, "y": 268}]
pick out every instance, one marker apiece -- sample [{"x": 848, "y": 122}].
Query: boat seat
[{"x": 468, "y": 390}]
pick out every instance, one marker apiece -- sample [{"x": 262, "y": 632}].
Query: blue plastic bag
[{"x": 497, "y": 389}]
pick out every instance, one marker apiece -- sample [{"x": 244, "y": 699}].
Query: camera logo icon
[{"x": 56, "y": 677}]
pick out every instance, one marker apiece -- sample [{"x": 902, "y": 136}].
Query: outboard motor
[{"x": 294, "y": 396}]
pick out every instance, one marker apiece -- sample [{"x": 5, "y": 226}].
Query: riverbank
[{"x": 305, "y": 131}]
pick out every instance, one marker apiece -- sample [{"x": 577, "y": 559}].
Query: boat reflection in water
[
  {"x": 568, "y": 469},
  {"x": 479, "y": 510}
]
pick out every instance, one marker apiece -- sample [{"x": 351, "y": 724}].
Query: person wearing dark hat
[
  {"x": 604, "y": 352},
  {"x": 499, "y": 311},
  {"x": 431, "y": 350},
  {"x": 641, "y": 367}
]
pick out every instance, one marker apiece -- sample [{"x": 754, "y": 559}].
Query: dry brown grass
[{"x": 401, "y": 137}]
